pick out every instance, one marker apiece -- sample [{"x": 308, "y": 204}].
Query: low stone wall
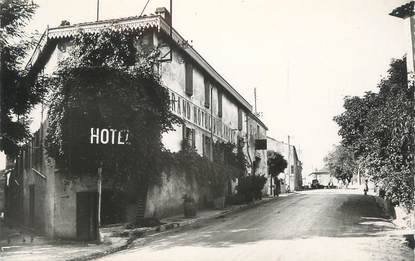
[{"x": 166, "y": 199}]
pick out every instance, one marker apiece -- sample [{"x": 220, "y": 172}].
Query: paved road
[{"x": 317, "y": 225}]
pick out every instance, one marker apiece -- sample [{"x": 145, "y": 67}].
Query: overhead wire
[{"x": 144, "y": 8}]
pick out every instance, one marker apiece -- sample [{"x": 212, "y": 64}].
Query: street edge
[{"x": 171, "y": 226}]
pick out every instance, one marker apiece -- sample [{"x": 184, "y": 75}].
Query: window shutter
[
  {"x": 239, "y": 119},
  {"x": 193, "y": 138},
  {"x": 184, "y": 132},
  {"x": 219, "y": 104},
  {"x": 189, "y": 78},
  {"x": 203, "y": 144},
  {"x": 207, "y": 93}
]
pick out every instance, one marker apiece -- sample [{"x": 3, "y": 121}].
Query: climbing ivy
[
  {"x": 105, "y": 81},
  {"x": 228, "y": 163}
]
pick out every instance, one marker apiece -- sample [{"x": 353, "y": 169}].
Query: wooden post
[
  {"x": 1, "y": 80},
  {"x": 99, "y": 188}
]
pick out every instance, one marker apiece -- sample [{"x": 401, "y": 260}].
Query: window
[
  {"x": 203, "y": 119},
  {"x": 188, "y": 112},
  {"x": 189, "y": 136},
  {"x": 219, "y": 104},
  {"x": 292, "y": 169},
  {"x": 189, "y": 79},
  {"x": 206, "y": 146},
  {"x": 239, "y": 119},
  {"x": 194, "y": 114},
  {"x": 198, "y": 116},
  {"x": 37, "y": 149},
  {"x": 179, "y": 111},
  {"x": 207, "y": 93},
  {"x": 173, "y": 102}
]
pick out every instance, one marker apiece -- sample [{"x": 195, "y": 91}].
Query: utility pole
[
  {"x": 97, "y": 10},
  {"x": 289, "y": 163},
  {"x": 1, "y": 72},
  {"x": 99, "y": 189}
]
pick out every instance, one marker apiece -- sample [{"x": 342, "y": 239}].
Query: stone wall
[
  {"x": 166, "y": 199},
  {"x": 65, "y": 203}
]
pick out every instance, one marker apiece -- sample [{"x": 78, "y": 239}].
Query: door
[
  {"x": 86, "y": 215},
  {"x": 31, "y": 205}
]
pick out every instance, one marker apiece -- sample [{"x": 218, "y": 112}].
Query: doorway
[
  {"x": 31, "y": 205},
  {"x": 86, "y": 215}
]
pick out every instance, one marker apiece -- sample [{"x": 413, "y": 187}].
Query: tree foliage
[
  {"x": 229, "y": 163},
  {"x": 107, "y": 82},
  {"x": 20, "y": 93},
  {"x": 379, "y": 129},
  {"x": 341, "y": 163},
  {"x": 276, "y": 163}
]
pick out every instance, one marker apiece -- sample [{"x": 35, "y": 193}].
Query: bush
[
  {"x": 235, "y": 199},
  {"x": 250, "y": 187}
]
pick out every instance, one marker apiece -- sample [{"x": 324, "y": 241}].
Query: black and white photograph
[{"x": 183, "y": 130}]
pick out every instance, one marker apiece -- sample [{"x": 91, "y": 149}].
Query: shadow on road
[{"x": 298, "y": 217}]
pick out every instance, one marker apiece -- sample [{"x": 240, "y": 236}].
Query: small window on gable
[{"x": 189, "y": 79}]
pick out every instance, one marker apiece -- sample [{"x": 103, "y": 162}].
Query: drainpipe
[
  {"x": 211, "y": 123},
  {"x": 247, "y": 145}
]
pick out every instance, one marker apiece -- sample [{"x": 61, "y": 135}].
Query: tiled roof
[
  {"x": 133, "y": 23},
  {"x": 128, "y": 23}
]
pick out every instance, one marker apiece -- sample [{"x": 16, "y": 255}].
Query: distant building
[
  {"x": 292, "y": 176},
  {"x": 42, "y": 197},
  {"x": 324, "y": 178}
]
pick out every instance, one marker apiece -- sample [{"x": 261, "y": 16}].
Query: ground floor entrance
[{"x": 86, "y": 215}]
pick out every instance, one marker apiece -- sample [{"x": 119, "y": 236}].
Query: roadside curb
[{"x": 142, "y": 233}]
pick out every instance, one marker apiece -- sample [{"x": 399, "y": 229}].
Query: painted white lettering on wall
[{"x": 108, "y": 136}]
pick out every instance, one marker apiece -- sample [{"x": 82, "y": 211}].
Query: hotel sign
[{"x": 108, "y": 136}]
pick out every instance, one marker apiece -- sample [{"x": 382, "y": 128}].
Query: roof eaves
[
  {"x": 258, "y": 121},
  {"x": 130, "y": 23},
  {"x": 135, "y": 22},
  {"x": 205, "y": 65}
]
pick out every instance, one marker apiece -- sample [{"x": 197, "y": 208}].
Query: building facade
[
  {"x": 212, "y": 111},
  {"x": 292, "y": 176}
]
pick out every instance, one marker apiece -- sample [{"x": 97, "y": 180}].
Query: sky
[{"x": 302, "y": 56}]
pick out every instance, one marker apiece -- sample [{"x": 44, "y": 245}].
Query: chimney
[
  {"x": 164, "y": 13},
  {"x": 65, "y": 23}
]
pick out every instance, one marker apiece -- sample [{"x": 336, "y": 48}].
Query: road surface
[{"x": 314, "y": 225}]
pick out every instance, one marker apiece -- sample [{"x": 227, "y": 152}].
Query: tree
[
  {"x": 341, "y": 164},
  {"x": 276, "y": 163},
  {"x": 379, "y": 127},
  {"x": 19, "y": 93}
]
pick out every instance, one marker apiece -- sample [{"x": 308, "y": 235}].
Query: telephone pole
[
  {"x": 289, "y": 163},
  {"x": 1, "y": 72},
  {"x": 97, "y": 10}
]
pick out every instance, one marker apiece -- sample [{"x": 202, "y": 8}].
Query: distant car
[{"x": 315, "y": 184}]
